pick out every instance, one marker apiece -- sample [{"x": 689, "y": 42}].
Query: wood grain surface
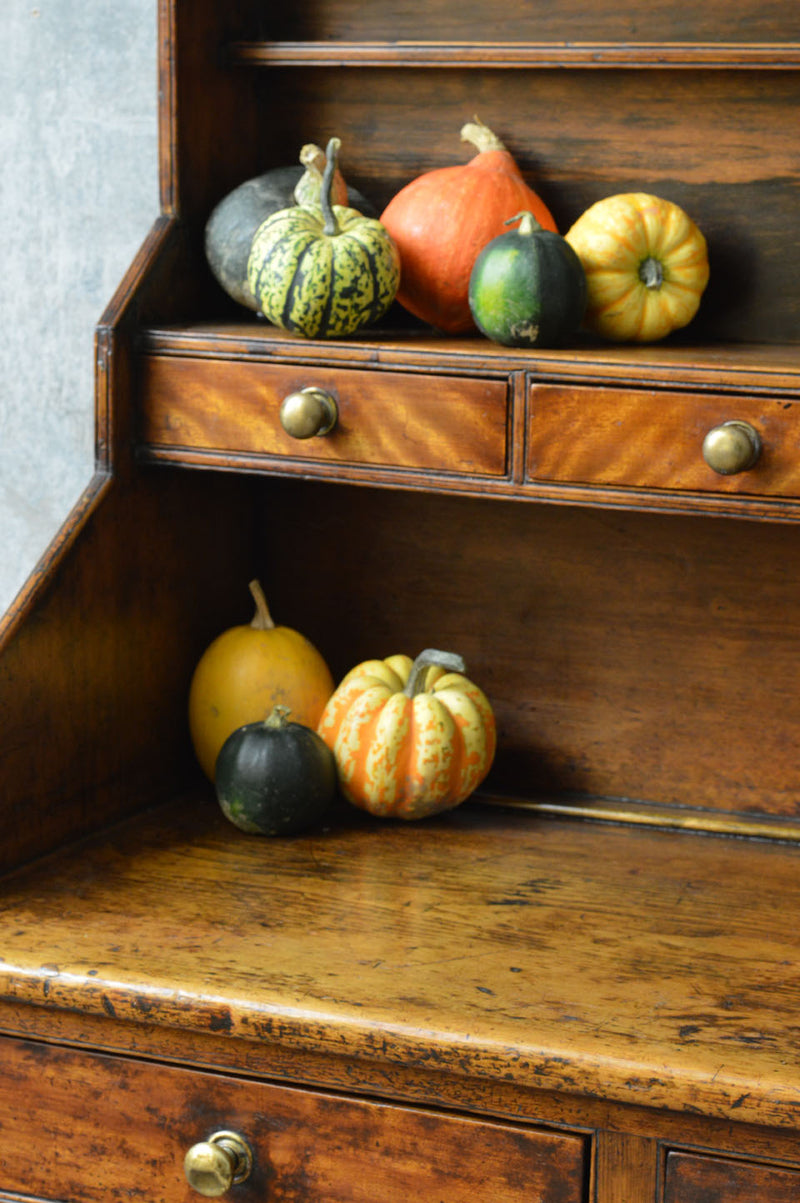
[
  {"x": 654, "y": 440},
  {"x": 453, "y": 424},
  {"x": 648, "y": 968},
  {"x": 109, "y": 1128},
  {"x": 698, "y": 1179}
]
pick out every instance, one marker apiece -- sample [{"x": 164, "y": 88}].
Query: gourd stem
[
  {"x": 331, "y": 224},
  {"x": 262, "y": 619},
  {"x": 651, "y": 272},
  {"x": 450, "y": 661},
  {"x": 481, "y": 137},
  {"x": 277, "y": 717},
  {"x": 527, "y": 222}
]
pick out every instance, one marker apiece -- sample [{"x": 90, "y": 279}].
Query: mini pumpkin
[
  {"x": 646, "y": 265},
  {"x": 410, "y": 738},
  {"x": 323, "y": 270}
]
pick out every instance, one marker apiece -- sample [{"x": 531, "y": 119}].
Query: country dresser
[{"x": 584, "y": 983}]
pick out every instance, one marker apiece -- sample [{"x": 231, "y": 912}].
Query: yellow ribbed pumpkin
[
  {"x": 646, "y": 266},
  {"x": 245, "y": 673},
  {"x": 410, "y": 738}
]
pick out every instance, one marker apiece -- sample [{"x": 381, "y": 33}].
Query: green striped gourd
[{"x": 324, "y": 270}]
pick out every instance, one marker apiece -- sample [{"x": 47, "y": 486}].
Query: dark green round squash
[
  {"x": 275, "y": 777},
  {"x": 527, "y": 287},
  {"x": 232, "y": 224}
]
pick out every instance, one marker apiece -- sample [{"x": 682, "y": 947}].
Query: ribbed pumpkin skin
[
  {"x": 646, "y": 266},
  {"x": 408, "y": 757},
  {"x": 323, "y": 285},
  {"x": 443, "y": 219}
]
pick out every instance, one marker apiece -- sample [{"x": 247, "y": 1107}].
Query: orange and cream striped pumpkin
[{"x": 410, "y": 738}]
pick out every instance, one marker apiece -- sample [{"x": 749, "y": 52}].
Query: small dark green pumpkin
[
  {"x": 232, "y": 225},
  {"x": 527, "y": 287},
  {"x": 275, "y": 777}
]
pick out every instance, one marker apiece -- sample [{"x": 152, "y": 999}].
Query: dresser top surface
[{"x": 648, "y": 966}]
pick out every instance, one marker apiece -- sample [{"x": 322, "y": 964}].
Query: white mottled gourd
[{"x": 323, "y": 271}]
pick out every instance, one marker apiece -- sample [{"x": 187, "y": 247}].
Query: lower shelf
[{"x": 633, "y": 965}]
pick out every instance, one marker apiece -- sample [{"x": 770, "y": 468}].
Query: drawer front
[
  {"x": 392, "y": 419},
  {"x": 81, "y": 1127},
  {"x": 695, "y": 1178},
  {"x": 654, "y": 440}
]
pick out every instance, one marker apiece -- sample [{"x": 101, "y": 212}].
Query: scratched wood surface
[
  {"x": 647, "y": 968},
  {"x": 304, "y": 1145},
  {"x": 697, "y": 1179}
]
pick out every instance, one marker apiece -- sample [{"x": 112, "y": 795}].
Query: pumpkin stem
[
  {"x": 450, "y": 661},
  {"x": 527, "y": 222},
  {"x": 277, "y": 717},
  {"x": 651, "y": 272},
  {"x": 262, "y": 619},
  {"x": 481, "y": 137},
  {"x": 309, "y": 186},
  {"x": 331, "y": 224}
]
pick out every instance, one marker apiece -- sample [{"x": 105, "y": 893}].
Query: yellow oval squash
[
  {"x": 646, "y": 265},
  {"x": 245, "y": 673}
]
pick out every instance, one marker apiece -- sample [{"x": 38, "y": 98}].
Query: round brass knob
[
  {"x": 732, "y": 447},
  {"x": 307, "y": 413},
  {"x": 215, "y": 1165}
]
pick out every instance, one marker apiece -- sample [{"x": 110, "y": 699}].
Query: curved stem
[
  {"x": 331, "y": 224},
  {"x": 449, "y": 661},
  {"x": 262, "y": 619},
  {"x": 527, "y": 222},
  {"x": 481, "y": 137}
]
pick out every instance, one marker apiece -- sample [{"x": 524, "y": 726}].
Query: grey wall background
[{"x": 78, "y": 192}]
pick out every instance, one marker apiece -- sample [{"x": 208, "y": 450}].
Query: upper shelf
[{"x": 724, "y": 55}]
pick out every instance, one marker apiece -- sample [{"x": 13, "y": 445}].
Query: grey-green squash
[
  {"x": 527, "y": 287},
  {"x": 323, "y": 271},
  {"x": 233, "y": 222}
]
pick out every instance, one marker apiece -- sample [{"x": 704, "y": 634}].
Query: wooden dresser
[{"x": 583, "y": 986}]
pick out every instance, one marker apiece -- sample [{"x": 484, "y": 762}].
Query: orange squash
[
  {"x": 646, "y": 266},
  {"x": 443, "y": 219},
  {"x": 245, "y": 673},
  {"x": 410, "y": 738}
]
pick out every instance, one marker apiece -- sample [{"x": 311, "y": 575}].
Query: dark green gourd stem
[
  {"x": 450, "y": 661},
  {"x": 331, "y": 224}
]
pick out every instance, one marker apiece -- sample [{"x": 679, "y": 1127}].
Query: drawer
[
  {"x": 392, "y": 419},
  {"x": 693, "y": 1177},
  {"x": 654, "y": 440},
  {"x": 79, "y": 1126}
]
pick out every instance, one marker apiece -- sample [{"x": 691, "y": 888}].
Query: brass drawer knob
[
  {"x": 308, "y": 413},
  {"x": 732, "y": 447},
  {"x": 215, "y": 1165}
]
